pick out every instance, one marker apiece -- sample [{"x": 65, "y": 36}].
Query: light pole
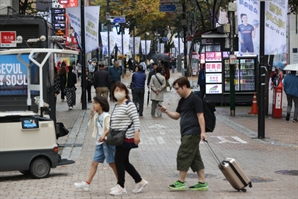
[
  {"x": 84, "y": 102},
  {"x": 122, "y": 50},
  {"x": 134, "y": 47},
  {"x": 109, "y": 27}
]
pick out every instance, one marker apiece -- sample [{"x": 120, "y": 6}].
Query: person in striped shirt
[{"x": 125, "y": 117}]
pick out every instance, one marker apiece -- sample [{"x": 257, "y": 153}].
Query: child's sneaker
[
  {"x": 83, "y": 185},
  {"x": 178, "y": 186},
  {"x": 139, "y": 186},
  {"x": 199, "y": 187},
  {"x": 118, "y": 191}
]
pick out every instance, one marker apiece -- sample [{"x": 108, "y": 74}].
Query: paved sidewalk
[{"x": 265, "y": 161}]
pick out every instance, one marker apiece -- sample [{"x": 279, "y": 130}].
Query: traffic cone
[{"x": 254, "y": 107}]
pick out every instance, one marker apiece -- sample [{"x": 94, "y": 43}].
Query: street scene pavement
[{"x": 270, "y": 163}]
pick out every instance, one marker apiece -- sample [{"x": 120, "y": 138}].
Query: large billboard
[{"x": 248, "y": 26}]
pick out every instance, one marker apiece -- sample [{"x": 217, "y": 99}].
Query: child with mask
[{"x": 125, "y": 117}]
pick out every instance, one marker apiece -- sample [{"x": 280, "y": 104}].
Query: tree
[{"x": 293, "y": 5}]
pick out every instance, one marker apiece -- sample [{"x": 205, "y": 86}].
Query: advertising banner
[
  {"x": 13, "y": 75},
  {"x": 74, "y": 15},
  {"x": 91, "y": 28},
  {"x": 162, "y": 47},
  {"x": 275, "y": 27},
  {"x": 145, "y": 47},
  {"x": 113, "y": 36},
  {"x": 119, "y": 43},
  {"x": 104, "y": 42},
  {"x": 137, "y": 44},
  {"x": 248, "y": 12},
  {"x": 6, "y": 38},
  {"x": 213, "y": 56},
  {"x": 126, "y": 44},
  {"x": 176, "y": 41}
]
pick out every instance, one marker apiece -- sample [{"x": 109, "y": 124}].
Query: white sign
[
  {"x": 213, "y": 56},
  {"x": 91, "y": 28},
  {"x": 145, "y": 47},
  {"x": 213, "y": 88},
  {"x": 213, "y": 77},
  {"x": 176, "y": 44},
  {"x": 275, "y": 27},
  {"x": 248, "y": 26},
  {"x": 213, "y": 67}
]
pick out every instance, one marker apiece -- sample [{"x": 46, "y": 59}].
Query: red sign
[
  {"x": 63, "y": 1},
  {"x": 213, "y": 56},
  {"x": 71, "y": 3},
  {"x": 202, "y": 58},
  {"x": 6, "y": 38}
]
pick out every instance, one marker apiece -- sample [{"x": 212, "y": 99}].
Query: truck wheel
[{"x": 40, "y": 168}]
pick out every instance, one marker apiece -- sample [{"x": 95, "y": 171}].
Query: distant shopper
[
  {"x": 89, "y": 80},
  {"x": 98, "y": 124},
  {"x": 157, "y": 86},
  {"x": 291, "y": 89},
  {"x": 101, "y": 81},
  {"x": 91, "y": 66},
  {"x": 138, "y": 91},
  {"x": 202, "y": 81},
  {"x": 70, "y": 88},
  {"x": 192, "y": 127},
  {"x": 79, "y": 69},
  {"x": 152, "y": 72},
  {"x": 62, "y": 76},
  {"x": 115, "y": 75}
]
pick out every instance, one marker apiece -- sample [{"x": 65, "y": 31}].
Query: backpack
[{"x": 209, "y": 116}]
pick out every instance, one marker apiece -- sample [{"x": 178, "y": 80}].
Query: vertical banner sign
[
  {"x": 131, "y": 44},
  {"x": 74, "y": 15},
  {"x": 176, "y": 41},
  {"x": 162, "y": 47},
  {"x": 113, "y": 36},
  {"x": 275, "y": 27},
  {"x": 137, "y": 44},
  {"x": 91, "y": 27},
  {"x": 119, "y": 43},
  {"x": 248, "y": 12},
  {"x": 143, "y": 46},
  {"x": 148, "y": 43},
  {"x": 104, "y": 42},
  {"x": 126, "y": 39}
]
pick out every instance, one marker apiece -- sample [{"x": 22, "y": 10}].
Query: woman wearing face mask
[{"x": 125, "y": 116}]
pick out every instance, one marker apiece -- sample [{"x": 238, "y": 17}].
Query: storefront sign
[
  {"x": 6, "y": 38},
  {"x": 213, "y": 88},
  {"x": 213, "y": 56},
  {"x": 213, "y": 67},
  {"x": 213, "y": 77},
  {"x": 202, "y": 58},
  {"x": 58, "y": 21}
]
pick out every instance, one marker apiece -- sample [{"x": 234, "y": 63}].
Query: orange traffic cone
[{"x": 254, "y": 107}]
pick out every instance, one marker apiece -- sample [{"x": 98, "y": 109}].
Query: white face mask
[{"x": 119, "y": 95}]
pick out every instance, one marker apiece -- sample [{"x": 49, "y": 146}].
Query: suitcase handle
[{"x": 212, "y": 152}]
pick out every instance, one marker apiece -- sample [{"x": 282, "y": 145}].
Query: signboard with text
[
  {"x": 213, "y": 77},
  {"x": 213, "y": 56},
  {"x": 6, "y": 38},
  {"x": 213, "y": 88},
  {"x": 213, "y": 67}
]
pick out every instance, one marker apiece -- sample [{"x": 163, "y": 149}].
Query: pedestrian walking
[
  {"x": 125, "y": 117},
  {"x": 70, "y": 88},
  {"x": 157, "y": 86},
  {"x": 98, "y": 124},
  {"x": 173, "y": 64},
  {"x": 91, "y": 66},
  {"x": 62, "y": 76},
  {"x": 202, "y": 81},
  {"x": 291, "y": 89},
  {"x": 152, "y": 72},
  {"x": 89, "y": 81},
  {"x": 79, "y": 69},
  {"x": 115, "y": 75},
  {"x": 166, "y": 72},
  {"x": 192, "y": 127},
  {"x": 101, "y": 81},
  {"x": 138, "y": 91}
]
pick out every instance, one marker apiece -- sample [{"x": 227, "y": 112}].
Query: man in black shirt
[
  {"x": 101, "y": 81},
  {"x": 152, "y": 72},
  {"x": 192, "y": 127}
]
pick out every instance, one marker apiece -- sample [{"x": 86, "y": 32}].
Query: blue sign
[
  {"x": 167, "y": 8},
  {"x": 13, "y": 75},
  {"x": 119, "y": 20}
]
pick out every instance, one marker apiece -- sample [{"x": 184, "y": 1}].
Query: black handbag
[{"x": 116, "y": 137}]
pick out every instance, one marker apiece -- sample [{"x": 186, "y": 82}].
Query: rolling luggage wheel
[{"x": 244, "y": 190}]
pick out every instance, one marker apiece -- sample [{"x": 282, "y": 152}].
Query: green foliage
[{"x": 293, "y": 5}]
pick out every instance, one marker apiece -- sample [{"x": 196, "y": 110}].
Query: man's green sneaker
[
  {"x": 199, "y": 187},
  {"x": 178, "y": 186}
]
